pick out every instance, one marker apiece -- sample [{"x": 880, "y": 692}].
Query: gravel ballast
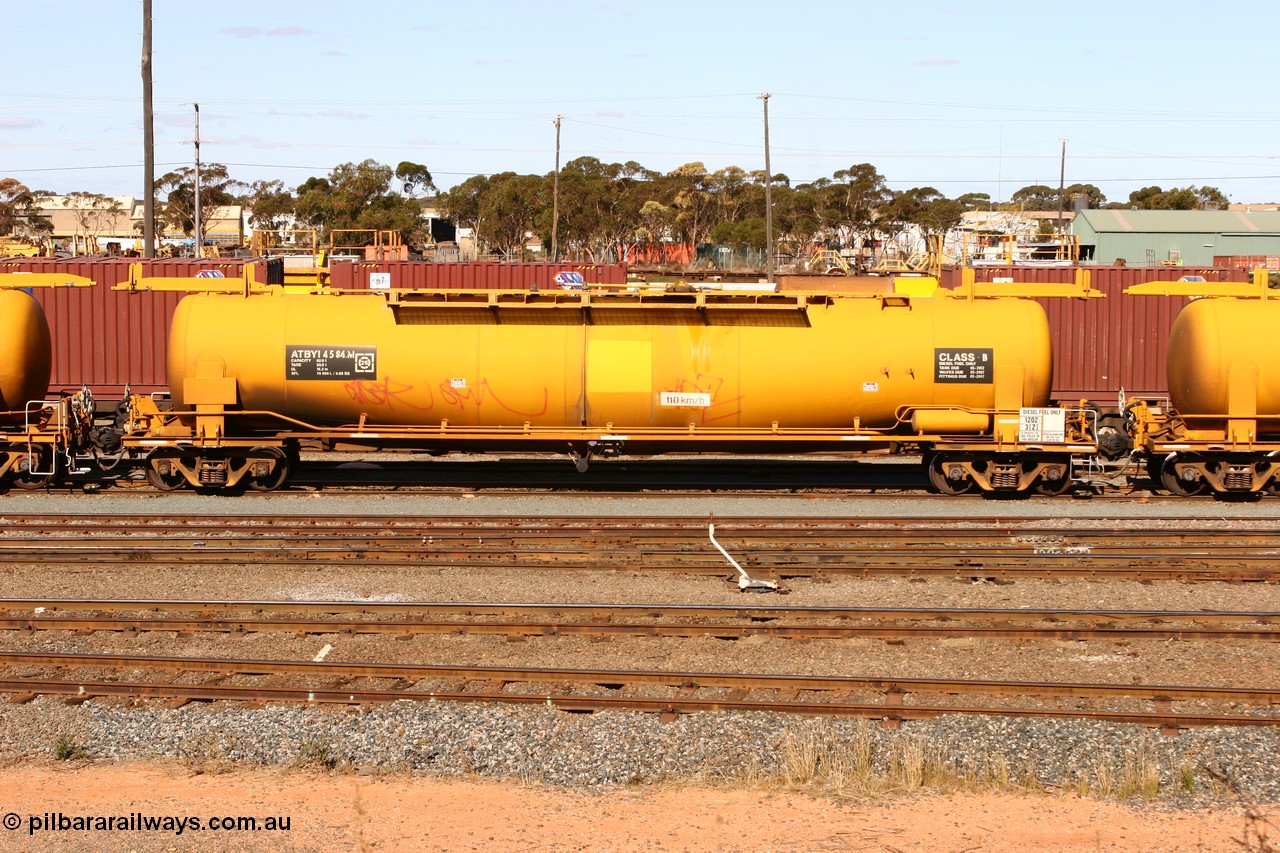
[{"x": 541, "y": 745}]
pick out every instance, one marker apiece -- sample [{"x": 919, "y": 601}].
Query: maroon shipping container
[
  {"x": 424, "y": 275},
  {"x": 1101, "y": 346},
  {"x": 106, "y": 338},
  {"x": 1271, "y": 263}
]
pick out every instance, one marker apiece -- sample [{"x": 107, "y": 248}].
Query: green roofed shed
[{"x": 1186, "y": 237}]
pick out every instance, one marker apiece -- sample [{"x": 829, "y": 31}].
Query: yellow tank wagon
[
  {"x": 957, "y": 376},
  {"x": 33, "y": 430},
  {"x": 1220, "y": 428}
]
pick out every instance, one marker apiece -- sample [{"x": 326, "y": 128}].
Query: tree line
[{"x": 593, "y": 206}]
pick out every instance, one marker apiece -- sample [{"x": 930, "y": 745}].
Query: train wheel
[
  {"x": 1176, "y": 485},
  {"x": 1045, "y": 486},
  {"x": 161, "y": 472},
  {"x": 276, "y": 478},
  {"x": 939, "y": 476},
  {"x": 27, "y": 471}
]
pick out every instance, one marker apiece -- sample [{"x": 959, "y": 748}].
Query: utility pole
[
  {"x": 555, "y": 199},
  {"x": 1062, "y": 175},
  {"x": 148, "y": 141},
  {"x": 199, "y": 247},
  {"x": 768, "y": 192}
]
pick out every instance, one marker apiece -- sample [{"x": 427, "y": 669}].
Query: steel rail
[
  {"x": 893, "y": 688},
  {"x": 615, "y": 629},
  {"x": 825, "y": 546},
  {"x": 1154, "y": 565},
  {"x": 546, "y": 610},
  {"x": 853, "y": 551},
  {"x": 392, "y": 533},
  {"x": 891, "y": 544},
  {"x": 81, "y": 690},
  {"x": 957, "y": 524}
]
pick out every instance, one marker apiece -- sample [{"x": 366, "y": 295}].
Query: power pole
[
  {"x": 555, "y": 199},
  {"x": 199, "y": 247},
  {"x": 768, "y": 193},
  {"x": 148, "y": 141},
  {"x": 1062, "y": 175}
]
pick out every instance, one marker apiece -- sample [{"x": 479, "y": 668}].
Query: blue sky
[{"x": 964, "y": 97}]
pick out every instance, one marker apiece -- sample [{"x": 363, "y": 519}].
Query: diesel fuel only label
[
  {"x": 317, "y": 362},
  {"x": 971, "y": 366}
]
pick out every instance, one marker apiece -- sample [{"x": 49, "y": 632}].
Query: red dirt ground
[{"x": 369, "y": 813}]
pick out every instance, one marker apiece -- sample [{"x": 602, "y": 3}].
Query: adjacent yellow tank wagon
[{"x": 1219, "y": 430}]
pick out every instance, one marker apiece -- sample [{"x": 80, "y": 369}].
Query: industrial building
[{"x": 1175, "y": 237}]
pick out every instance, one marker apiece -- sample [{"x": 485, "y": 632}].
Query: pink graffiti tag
[
  {"x": 384, "y": 392},
  {"x": 720, "y": 409},
  {"x": 480, "y": 394}
]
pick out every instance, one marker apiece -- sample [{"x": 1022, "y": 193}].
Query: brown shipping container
[
  {"x": 1271, "y": 263},
  {"x": 1101, "y": 346},
  {"x": 424, "y": 275},
  {"x": 106, "y": 338}
]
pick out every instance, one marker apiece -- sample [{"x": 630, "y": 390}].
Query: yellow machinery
[
  {"x": 1023, "y": 249},
  {"x": 369, "y": 244},
  {"x": 13, "y": 247},
  {"x": 267, "y": 243},
  {"x": 828, "y": 261}
]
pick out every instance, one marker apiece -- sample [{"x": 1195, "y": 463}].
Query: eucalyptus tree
[
  {"x": 17, "y": 205},
  {"x": 690, "y": 188},
  {"x": 462, "y": 205},
  {"x": 737, "y": 196},
  {"x": 796, "y": 223},
  {"x": 1035, "y": 197},
  {"x": 415, "y": 178},
  {"x": 601, "y": 204},
  {"x": 657, "y": 222},
  {"x": 1091, "y": 194},
  {"x": 509, "y": 207},
  {"x": 272, "y": 205},
  {"x": 357, "y": 196},
  {"x": 1178, "y": 198},
  {"x": 856, "y": 195},
  {"x": 178, "y": 189},
  {"x": 918, "y": 212},
  {"x": 94, "y": 214}
]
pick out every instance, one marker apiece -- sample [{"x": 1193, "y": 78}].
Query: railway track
[
  {"x": 962, "y": 547},
  {"x": 668, "y": 693},
  {"x": 660, "y": 620},
  {"x": 628, "y": 477}
]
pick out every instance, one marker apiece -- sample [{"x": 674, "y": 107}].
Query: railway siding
[{"x": 897, "y": 644}]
